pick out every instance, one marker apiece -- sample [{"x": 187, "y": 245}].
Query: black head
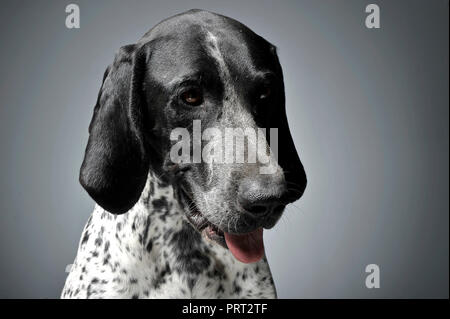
[{"x": 194, "y": 66}]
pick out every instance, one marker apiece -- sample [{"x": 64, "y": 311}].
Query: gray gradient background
[{"x": 369, "y": 112}]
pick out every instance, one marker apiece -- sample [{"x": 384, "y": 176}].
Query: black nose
[{"x": 262, "y": 195}]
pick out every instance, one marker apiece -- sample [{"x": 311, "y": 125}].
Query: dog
[{"x": 183, "y": 230}]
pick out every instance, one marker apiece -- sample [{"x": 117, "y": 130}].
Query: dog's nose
[{"x": 262, "y": 195}]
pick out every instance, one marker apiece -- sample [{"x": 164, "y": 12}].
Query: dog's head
[{"x": 197, "y": 70}]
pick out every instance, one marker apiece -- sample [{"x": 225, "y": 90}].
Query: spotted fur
[{"x": 153, "y": 252}]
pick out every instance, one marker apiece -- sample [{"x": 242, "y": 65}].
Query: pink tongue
[{"x": 247, "y": 248}]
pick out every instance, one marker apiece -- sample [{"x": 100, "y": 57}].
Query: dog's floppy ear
[
  {"x": 288, "y": 157},
  {"x": 115, "y": 166}
]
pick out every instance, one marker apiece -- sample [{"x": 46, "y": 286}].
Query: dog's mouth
[
  {"x": 200, "y": 222},
  {"x": 245, "y": 247}
]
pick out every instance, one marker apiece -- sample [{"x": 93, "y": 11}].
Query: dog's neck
[
  {"x": 153, "y": 252},
  {"x": 150, "y": 222}
]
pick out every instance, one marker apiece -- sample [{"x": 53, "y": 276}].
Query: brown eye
[
  {"x": 265, "y": 93},
  {"x": 192, "y": 97}
]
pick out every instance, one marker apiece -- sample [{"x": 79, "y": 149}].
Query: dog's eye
[
  {"x": 192, "y": 97},
  {"x": 264, "y": 93}
]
